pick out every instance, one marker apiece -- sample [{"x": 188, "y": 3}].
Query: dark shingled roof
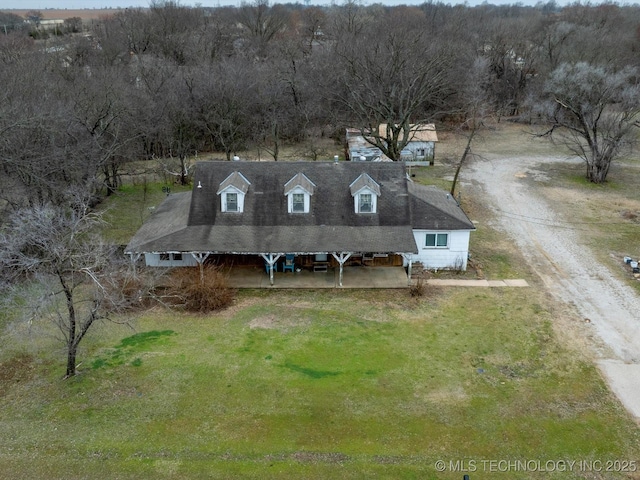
[
  {"x": 193, "y": 222},
  {"x": 435, "y": 209},
  {"x": 169, "y": 219}
]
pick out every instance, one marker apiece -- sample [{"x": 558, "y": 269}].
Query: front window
[
  {"x": 437, "y": 240},
  {"x": 298, "y": 202},
  {"x": 366, "y": 204},
  {"x": 232, "y": 202}
]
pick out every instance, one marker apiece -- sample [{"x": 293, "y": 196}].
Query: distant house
[
  {"x": 420, "y": 148},
  {"x": 317, "y": 214},
  {"x": 51, "y": 24}
]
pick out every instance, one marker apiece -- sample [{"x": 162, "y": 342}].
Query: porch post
[
  {"x": 200, "y": 258},
  {"x": 409, "y": 258},
  {"x": 271, "y": 259},
  {"x": 341, "y": 258},
  {"x": 134, "y": 257}
]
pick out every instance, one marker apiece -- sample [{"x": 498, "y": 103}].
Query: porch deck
[{"x": 352, "y": 277}]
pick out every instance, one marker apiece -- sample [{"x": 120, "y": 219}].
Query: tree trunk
[
  {"x": 597, "y": 170},
  {"x": 463, "y": 159},
  {"x": 72, "y": 346},
  {"x": 71, "y": 360},
  {"x": 183, "y": 169}
]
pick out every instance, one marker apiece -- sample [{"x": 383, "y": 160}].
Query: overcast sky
[{"x": 75, "y": 4}]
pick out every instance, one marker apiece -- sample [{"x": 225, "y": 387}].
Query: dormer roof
[
  {"x": 236, "y": 180},
  {"x": 299, "y": 180},
  {"x": 364, "y": 181}
]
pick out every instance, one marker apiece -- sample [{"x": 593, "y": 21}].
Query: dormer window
[
  {"x": 365, "y": 192},
  {"x": 366, "y": 204},
  {"x": 298, "y": 191},
  {"x": 232, "y": 202},
  {"x": 232, "y": 192},
  {"x": 297, "y": 202}
]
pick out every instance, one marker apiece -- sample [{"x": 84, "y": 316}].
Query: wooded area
[
  {"x": 170, "y": 81},
  {"x": 80, "y": 102}
]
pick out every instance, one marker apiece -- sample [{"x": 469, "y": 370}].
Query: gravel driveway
[{"x": 553, "y": 248}]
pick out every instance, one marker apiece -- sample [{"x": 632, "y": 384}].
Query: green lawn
[{"x": 313, "y": 385}]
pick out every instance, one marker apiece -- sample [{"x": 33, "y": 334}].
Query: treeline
[{"x": 170, "y": 81}]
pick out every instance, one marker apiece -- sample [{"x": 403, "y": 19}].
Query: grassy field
[
  {"x": 322, "y": 384},
  {"x": 315, "y": 385}
]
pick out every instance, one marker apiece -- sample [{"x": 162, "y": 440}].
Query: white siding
[
  {"x": 413, "y": 151},
  {"x": 454, "y": 256},
  {"x": 153, "y": 260}
]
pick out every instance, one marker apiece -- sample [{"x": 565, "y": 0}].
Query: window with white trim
[
  {"x": 232, "y": 202},
  {"x": 365, "y": 203},
  {"x": 437, "y": 240},
  {"x": 297, "y": 203}
]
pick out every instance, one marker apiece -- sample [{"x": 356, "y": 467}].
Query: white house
[{"x": 334, "y": 213}]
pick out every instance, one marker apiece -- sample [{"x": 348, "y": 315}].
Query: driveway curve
[{"x": 553, "y": 248}]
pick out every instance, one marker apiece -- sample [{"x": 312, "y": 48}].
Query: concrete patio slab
[{"x": 353, "y": 277}]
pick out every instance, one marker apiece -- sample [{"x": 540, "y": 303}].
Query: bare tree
[
  {"x": 262, "y": 23},
  {"x": 593, "y": 111},
  {"x": 57, "y": 247},
  {"x": 474, "y": 110},
  {"x": 222, "y": 98},
  {"x": 391, "y": 78}
]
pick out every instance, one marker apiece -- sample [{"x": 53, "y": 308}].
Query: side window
[{"x": 437, "y": 240}]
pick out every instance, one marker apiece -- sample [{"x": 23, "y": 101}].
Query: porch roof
[{"x": 288, "y": 239}]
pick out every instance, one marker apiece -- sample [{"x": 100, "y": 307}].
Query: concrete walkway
[
  {"x": 477, "y": 283},
  {"x": 353, "y": 277}
]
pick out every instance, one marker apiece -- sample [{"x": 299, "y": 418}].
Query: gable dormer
[
  {"x": 298, "y": 191},
  {"x": 232, "y": 192},
  {"x": 365, "y": 192}
]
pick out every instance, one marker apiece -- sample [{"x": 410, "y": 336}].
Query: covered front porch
[{"x": 352, "y": 277}]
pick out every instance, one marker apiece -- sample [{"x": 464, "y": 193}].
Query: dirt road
[{"x": 552, "y": 246}]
